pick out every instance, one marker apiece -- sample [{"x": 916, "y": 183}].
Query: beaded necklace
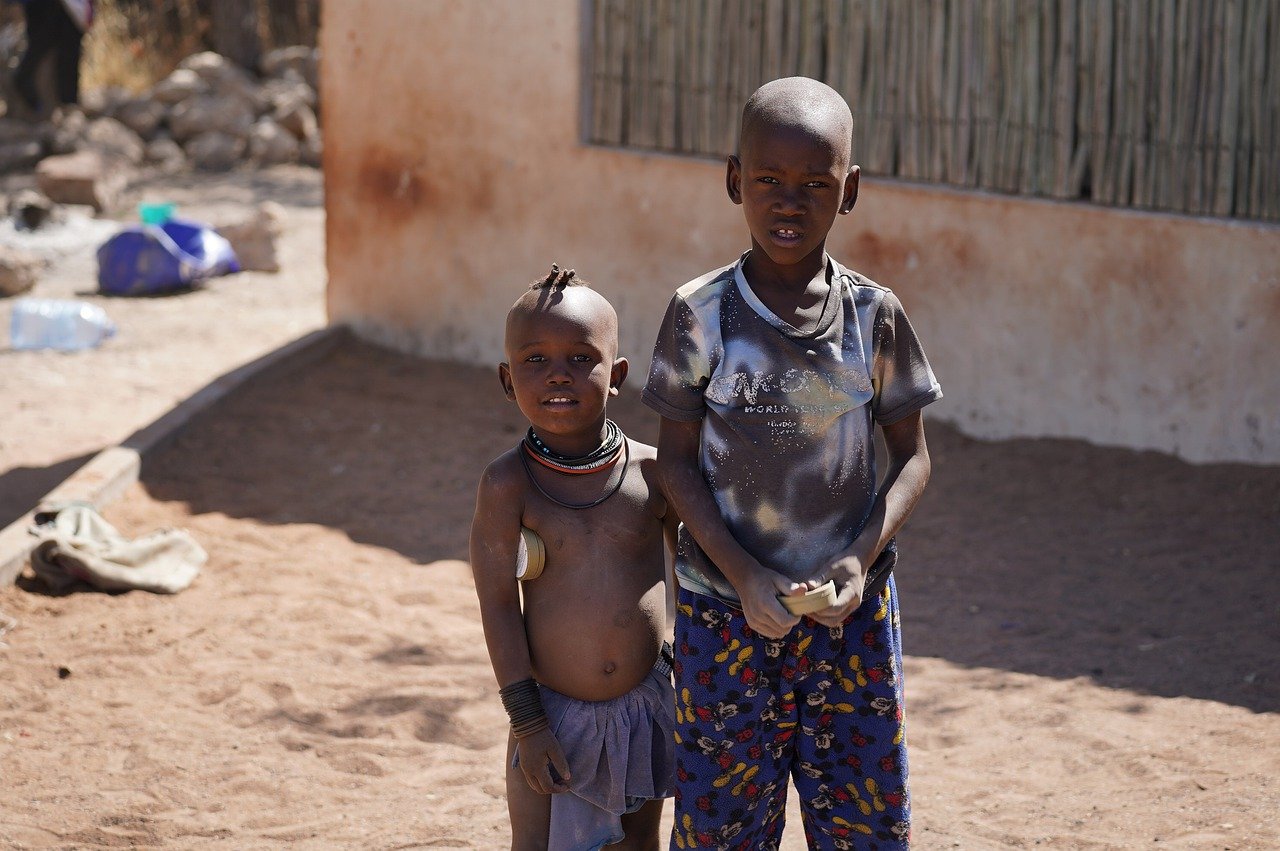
[{"x": 603, "y": 457}]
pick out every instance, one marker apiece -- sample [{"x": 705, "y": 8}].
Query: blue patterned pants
[{"x": 821, "y": 706}]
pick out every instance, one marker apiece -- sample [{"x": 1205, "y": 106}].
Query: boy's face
[
  {"x": 562, "y": 364},
  {"x": 792, "y": 182}
]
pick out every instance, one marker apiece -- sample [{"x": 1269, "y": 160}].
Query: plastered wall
[{"x": 455, "y": 175}]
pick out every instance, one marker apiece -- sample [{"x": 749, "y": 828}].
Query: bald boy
[{"x": 771, "y": 375}]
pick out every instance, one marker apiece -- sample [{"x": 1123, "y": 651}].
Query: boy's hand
[
  {"x": 850, "y": 575},
  {"x": 542, "y": 762},
  {"x": 759, "y": 598}
]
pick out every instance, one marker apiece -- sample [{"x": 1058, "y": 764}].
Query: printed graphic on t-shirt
[{"x": 793, "y": 402}]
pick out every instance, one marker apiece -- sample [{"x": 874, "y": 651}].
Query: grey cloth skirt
[{"x": 620, "y": 754}]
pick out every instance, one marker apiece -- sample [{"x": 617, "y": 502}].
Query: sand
[
  {"x": 1091, "y": 637},
  {"x": 59, "y": 409}
]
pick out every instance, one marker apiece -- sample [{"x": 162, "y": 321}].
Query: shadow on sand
[
  {"x": 1049, "y": 557},
  {"x": 22, "y": 487}
]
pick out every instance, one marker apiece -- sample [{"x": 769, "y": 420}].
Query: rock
[
  {"x": 292, "y": 76},
  {"x": 210, "y": 113},
  {"x": 67, "y": 131},
  {"x": 166, "y": 153},
  {"x": 312, "y": 152},
  {"x": 182, "y": 84},
  {"x": 254, "y": 238},
  {"x": 284, "y": 91},
  {"x": 296, "y": 117},
  {"x": 103, "y": 102},
  {"x": 114, "y": 141},
  {"x": 215, "y": 151},
  {"x": 142, "y": 115},
  {"x": 18, "y": 270},
  {"x": 31, "y": 209},
  {"x": 207, "y": 64},
  {"x": 303, "y": 60},
  {"x": 226, "y": 79},
  {"x": 240, "y": 85},
  {"x": 82, "y": 178},
  {"x": 271, "y": 144}
]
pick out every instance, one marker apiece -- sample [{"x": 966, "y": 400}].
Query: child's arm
[
  {"x": 670, "y": 535},
  {"x": 670, "y": 528},
  {"x": 495, "y": 532},
  {"x": 687, "y": 490},
  {"x": 904, "y": 482}
]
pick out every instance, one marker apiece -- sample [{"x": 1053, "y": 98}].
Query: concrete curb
[{"x": 111, "y": 471}]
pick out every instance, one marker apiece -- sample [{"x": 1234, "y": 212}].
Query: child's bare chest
[{"x": 622, "y": 533}]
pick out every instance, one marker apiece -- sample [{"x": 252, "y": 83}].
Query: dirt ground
[
  {"x": 60, "y": 409},
  {"x": 1091, "y": 633}
]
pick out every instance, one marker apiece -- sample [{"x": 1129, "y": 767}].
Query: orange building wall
[{"x": 455, "y": 175}]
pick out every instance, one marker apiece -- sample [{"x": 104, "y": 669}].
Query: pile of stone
[
  {"x": 213, "y": 114},
  {"x": 209, "y": 113}
]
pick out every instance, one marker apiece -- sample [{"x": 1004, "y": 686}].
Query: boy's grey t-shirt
[{"x": 787, "y": 418}]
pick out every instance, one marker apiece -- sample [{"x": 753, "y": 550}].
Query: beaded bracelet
[{"x": 523, "y": 702}]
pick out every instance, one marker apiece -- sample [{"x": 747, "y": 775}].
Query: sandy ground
[
  {"x": 1091, "y": 633},
  {"x": 60, "y": 409}
]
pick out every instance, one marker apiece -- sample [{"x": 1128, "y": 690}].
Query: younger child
[
  {"x": 770, "y": 375},
  {"x": 582, "y": 676}
]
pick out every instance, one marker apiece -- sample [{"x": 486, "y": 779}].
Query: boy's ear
[
  {"x": 850, "y": 196},
  {"x": 733, "y": 179},
  {"x": 617, "y": 375},
  {"x": 504, "y": 378}
]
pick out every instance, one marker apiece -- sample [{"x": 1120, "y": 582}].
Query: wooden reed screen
[{"x": 1157, "y": 104}]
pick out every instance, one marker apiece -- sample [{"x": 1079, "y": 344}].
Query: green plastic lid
[{"x": 156, "y": 213}]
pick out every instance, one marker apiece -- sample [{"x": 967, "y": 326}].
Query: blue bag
[{"x": 153, "y": 259}]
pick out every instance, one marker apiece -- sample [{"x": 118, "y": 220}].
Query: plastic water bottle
[{"x": 49, "y": 323}]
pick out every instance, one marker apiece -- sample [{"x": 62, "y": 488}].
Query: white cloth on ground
[{"x": 77, "y": 544}]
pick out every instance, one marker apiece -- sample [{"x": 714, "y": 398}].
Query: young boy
[
  {"x": 770, "y": 375},
  {"x": 583, "y": 680}
]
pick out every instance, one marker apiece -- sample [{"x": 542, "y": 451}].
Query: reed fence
[{"x": 1154, "y": 104}]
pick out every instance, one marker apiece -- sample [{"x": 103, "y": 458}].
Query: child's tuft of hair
[{"x": 558, "y": 279}]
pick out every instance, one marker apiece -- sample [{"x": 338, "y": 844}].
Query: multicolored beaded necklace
[{"x": 603, "y": 457}]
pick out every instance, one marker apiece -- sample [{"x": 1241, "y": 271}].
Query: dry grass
[
  {"x": 115, "y": 56},
  {"x": 134, "y": 43}
]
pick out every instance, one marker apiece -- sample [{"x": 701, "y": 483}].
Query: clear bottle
[{"x": 48, "y": 323}]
